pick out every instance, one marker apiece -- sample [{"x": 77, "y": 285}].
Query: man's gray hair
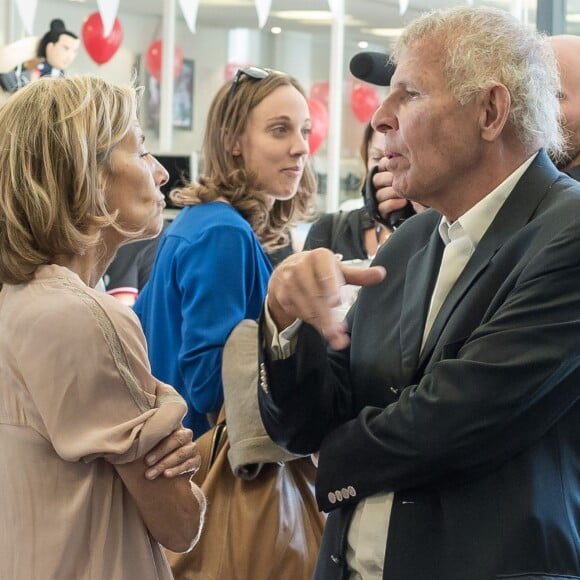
[{"x": 487, "y": 45}]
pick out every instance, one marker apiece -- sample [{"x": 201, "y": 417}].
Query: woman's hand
[
  {"x": 174, "y": 455},
  {"x": 388, "y": 200}
]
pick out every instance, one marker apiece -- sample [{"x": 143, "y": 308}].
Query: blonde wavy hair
[
  {"x": 225, "y": 175},
  {"x": 55, "y": 144},
  {"x": 485, "y": 45}
]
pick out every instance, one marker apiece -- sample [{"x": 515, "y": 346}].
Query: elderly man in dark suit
[{"x": 445, "y": 410}]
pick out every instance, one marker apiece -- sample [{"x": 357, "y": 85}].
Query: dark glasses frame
[{"x": 253, "y": 72}]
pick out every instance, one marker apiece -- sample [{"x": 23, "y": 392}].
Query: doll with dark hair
[{"x": 55, "y": 52}]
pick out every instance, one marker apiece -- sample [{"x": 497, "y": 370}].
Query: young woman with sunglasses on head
[
  {"x": 211, "y": 270},
  {"x": 210, "y": 273}
]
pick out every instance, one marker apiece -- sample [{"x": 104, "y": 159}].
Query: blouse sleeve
[{"x": 86, "y": 368}]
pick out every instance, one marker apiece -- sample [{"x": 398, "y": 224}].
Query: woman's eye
[
  {"x": 145, "y": 154},
  {"x": 306, "y": 132}
]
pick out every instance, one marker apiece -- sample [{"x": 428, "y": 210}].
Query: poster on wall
[{"x": 182, "y": 96}]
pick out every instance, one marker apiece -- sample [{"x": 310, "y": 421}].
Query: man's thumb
[{"x": 363, "y": 276}]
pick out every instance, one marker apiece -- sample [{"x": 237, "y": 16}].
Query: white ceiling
[{"x": 361, "y": 15}]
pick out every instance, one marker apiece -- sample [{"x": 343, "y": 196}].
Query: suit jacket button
[
  {"x": 336, "y": 559},
  {"x": 338, "y": 495},
  {"x": 345, "y": 493},
  {"x": 351, "y": 491},
  {"x": 331, "y": 497},
  {"x": 263, "y": 379}
]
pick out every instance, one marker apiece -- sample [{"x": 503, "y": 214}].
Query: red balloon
[
  {"x": 319, "y": 91},
  {"x": 101, "y": 49},
  {"x": 318, "y": 123},
  {"x": 154, "y": 56},
  {"x": 364, "y": 101},
  {"x": 232, "y": 68}
]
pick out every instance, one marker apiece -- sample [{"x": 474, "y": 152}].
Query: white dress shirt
[{"x": 367, "y": 535}]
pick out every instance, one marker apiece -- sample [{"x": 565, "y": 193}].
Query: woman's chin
[{"x": 155, "y": 228}]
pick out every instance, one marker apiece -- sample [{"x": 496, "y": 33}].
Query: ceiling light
[
  {"x": 275, "y": 30},
  {"x": 314, "y": 17},
  {"x": 386, "y": 32},
  {"x": 304, "y": 15}
]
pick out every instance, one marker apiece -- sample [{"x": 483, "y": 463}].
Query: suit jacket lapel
[
  {"x": 420, "y": 277},
  {"x": 513, "y": 215}
]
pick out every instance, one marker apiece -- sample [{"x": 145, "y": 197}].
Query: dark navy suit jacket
[{"x": 478, "y": 435}]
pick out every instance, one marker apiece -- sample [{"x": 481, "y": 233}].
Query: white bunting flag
[
  {"x": 403, "y": 5},
  {"x": 263, "y": 10},
  {"x": 189, "y": 9},
  {"x": 108, "y": 10},
  {"x": 27, "y": 11}
]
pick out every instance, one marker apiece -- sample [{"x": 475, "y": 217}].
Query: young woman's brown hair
[{"x": 224, "y": 175}]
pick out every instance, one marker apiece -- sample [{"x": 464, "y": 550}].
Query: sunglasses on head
[{"x": 252, "y": 72}]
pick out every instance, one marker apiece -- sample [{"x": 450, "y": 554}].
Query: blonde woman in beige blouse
[{"x": 93, "y": 459}]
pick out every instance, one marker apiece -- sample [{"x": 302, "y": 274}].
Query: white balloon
[{"x": 15, "y": 53}]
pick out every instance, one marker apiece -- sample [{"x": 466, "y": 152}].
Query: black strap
[{"x": 338, "y": 220}]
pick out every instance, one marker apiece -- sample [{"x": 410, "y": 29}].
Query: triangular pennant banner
[
  {"x": 27, "y": 11},
  {"x": 263, "y": 10},
  {"x": 189, "y": 9},
  {"x": 403, "y": 5},
  {"x": 332, "y": 4},
  {"x": 108, "y": 10}
]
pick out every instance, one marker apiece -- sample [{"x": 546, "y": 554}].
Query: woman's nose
[
  {"x": 300, "y": 145},
  {"x": 160, "y": 173}
]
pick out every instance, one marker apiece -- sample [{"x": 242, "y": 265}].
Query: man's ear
[{"x": 495, "y": 108}]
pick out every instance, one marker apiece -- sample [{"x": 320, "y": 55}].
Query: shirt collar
[{"x": 475, "y": 221}]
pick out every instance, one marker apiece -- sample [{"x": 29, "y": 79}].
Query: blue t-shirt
[{"x": 209, "y": 274}]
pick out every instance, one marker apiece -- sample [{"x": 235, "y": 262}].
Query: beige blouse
[{"x": 76, "y": 397}]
